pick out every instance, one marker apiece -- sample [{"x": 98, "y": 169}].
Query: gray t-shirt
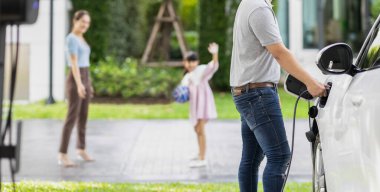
[{"x": 255, "y": 27}]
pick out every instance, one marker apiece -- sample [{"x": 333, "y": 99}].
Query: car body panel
[
  {"x": 350, "y": 133},
  {"x": 349, "y": 124}
]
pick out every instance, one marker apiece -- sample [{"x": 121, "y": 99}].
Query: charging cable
[
  {"x": 293, "y": 136},
  {"x": 7, "y": 130}
]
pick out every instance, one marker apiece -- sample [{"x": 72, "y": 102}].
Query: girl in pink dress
[{"x": 202, "y": 104}]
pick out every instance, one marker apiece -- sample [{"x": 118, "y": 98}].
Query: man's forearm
[{"x": 288, "y": 62}]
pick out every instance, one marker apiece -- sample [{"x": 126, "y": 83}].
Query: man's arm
[{"x": 288, "y": 62}]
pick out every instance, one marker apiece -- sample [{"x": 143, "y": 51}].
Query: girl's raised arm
[{"x": 213, "y": 65}]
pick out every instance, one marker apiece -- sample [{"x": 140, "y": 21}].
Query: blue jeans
[{"x": 263, "y": 133}]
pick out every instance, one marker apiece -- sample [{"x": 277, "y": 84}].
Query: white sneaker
[
  {"x": 194, "y": 157},
  {"x": 198, "y": 163}
]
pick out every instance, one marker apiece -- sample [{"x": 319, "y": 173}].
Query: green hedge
[{"x": 128, "y": 79}]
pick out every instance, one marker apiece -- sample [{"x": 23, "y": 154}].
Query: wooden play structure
[{"x": 159, "y": 39}]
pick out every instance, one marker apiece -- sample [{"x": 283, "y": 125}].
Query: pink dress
[{"x": 202, "y": 104}]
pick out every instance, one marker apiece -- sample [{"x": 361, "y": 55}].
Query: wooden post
[
  {"x": 167, "y": 5},
  {"x": 154, "y": 33},
  {"x": 178, "y": 30}
]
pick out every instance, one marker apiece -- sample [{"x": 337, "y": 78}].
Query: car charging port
[{"x": 323, "y": 100}]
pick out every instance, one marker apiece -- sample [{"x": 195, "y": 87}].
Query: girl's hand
[
  {"x": 213, "y": 48},
  {"x": 81, "y": 91}
]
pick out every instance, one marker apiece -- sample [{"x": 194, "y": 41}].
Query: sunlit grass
[{"x": 225, "y": 107}]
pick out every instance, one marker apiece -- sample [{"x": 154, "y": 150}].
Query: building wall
[
  {"x": 22, "y": 84},
  {"x": 36, "y": 39}
]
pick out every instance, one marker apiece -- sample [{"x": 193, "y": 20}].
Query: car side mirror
[{"x": 335, "y": 59}]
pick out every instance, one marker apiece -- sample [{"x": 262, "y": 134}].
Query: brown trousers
[{"x": 77, "y": 110}]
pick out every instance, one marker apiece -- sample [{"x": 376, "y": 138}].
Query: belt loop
[
  {"x": 275, "y": 87},
  {"x": 247, "y": 88}
]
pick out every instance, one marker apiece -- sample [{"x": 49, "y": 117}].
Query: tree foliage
[
  {"x": 375, "y": 9},
  {"x": 118, "y": 27},
  {"x": 213, "y": 28},
  {"x": 188, "y": 12},
  {"x": 95, "y": 36}
]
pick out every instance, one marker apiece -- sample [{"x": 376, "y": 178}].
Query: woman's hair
[
  {"x": 191, "y": 56},
  {"x": 79, "y": 14}
]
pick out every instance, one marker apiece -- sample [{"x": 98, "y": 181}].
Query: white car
[{"x": 345, "y": 135}]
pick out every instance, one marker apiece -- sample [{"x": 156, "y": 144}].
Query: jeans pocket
[
  {"x": 244, "y": 105},
  {"x": 271, "y": 103},
  {"x": 253, "y": 111},
  {"x": 241, "y": 97},
  {"x": 261, "y": 114}
]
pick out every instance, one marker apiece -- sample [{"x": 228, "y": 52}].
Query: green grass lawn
[
  {"x": 170, "y": 187},
  {"x": 225, "y": 106}
]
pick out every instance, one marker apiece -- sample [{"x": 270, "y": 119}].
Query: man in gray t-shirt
[
  {"x": 257, "y": 45},
  {"x": 255, "y": 27}
]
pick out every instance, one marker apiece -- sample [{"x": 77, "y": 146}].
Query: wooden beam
[
  {"x": 165, "y": 63},
  {"x": 154, "y": 33},
  {"x": 167, "y": 19},
  {"x": 179, "y": 31},
  {"x": 167, "y": 5}
]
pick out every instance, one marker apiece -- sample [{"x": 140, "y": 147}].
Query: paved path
[{"x": 144, "y": 151}]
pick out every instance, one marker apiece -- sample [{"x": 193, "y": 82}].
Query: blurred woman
[{"x": 78, "y": 88}]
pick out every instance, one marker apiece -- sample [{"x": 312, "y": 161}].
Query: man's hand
[
  {"x": 316, "y": 89},
  {"x": 288, "y": 62}
]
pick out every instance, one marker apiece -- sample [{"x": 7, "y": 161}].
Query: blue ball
[{"x": 181, "y": 94}]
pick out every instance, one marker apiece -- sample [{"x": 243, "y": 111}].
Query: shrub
[{"x": 128, "y": 79}]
